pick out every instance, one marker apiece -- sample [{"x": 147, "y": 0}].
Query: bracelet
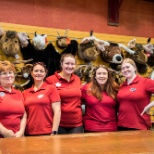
[{"x": 54, "y": 132}]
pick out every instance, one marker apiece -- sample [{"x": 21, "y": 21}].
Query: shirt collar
[
  {"x": 13, "y": 91},
  {"x": 41, "y": 88},
  {"x": 136, "y": 80},
  {"x": 61, "y": 78}
]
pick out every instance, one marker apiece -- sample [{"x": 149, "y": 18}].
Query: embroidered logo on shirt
[
  {"x": 57, "y": 84},
  {"x": 40, "y": 96},
  {"x": 2, "y": 94},
  {"x": 132, "y": 89}
]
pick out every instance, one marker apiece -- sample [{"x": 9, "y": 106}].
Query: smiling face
[
  {"x": 68, "y": 65},
  {"x": 38, "y": 73},
  {"x": 128, "y": 70},
  {"x": 101, "y": 76},
  {"x": 7, "y": 78},
  {"x": 7, "y": 74}
]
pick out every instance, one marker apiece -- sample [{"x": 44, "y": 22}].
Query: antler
[
  {"x": 22, "y": 61},
  {"x": 126, "y": 48},
  {"x": 65, "y": 34}
]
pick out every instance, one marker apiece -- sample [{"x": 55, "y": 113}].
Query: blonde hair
[
  {"x": 130, "y": 61},
  {"x": 7, "y": 66}
]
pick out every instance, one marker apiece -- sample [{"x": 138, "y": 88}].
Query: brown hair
[
  {"x": 130, "y": 61},
  {"x": 7, "y": 66},
  {"x": 66, "y": 55},
  {"x": 110, "y": 87},
  {"x": 39, "y": 63}
]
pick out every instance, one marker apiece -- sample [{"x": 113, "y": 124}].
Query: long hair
[{"x": 110, "y": 87}]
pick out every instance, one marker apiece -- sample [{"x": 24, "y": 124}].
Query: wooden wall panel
[{"x": 52, "y": 34}]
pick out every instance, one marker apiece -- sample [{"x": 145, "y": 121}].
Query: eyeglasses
[{"x": 7, "y": 73}]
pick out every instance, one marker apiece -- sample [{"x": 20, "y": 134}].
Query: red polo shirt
[
  {"x": 11, "y": 109},
  {"x": 39, "y": 110},
  {"x": 100, "y": 116},
  {"x": 70, "y": 94},
  {"x": 132, "y": 99}
]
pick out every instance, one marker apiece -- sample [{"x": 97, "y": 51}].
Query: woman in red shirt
[
  {"x": 12, "y": 111},
  {"x": 133, "y": 96},
  {"x": 99, "y": 97},
  {"x": 68, "y": 86},
  {"x": 42, "y": 104}
]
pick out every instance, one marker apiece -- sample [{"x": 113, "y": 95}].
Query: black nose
[{"x": 118, "y": 58}]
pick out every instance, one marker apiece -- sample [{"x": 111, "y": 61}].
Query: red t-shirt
[
  {"x": 39, "y": 110},
  {"x": 70, "y": 94},
  {"x": 11, "y": 109},
  {"x": 132, "y": 100},
  {"x": 100, "y": 116}
]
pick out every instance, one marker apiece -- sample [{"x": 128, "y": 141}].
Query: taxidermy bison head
[{"x": 10, "y": 44}]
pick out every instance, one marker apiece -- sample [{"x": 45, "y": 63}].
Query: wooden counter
[{"x": 128, "y": 142}]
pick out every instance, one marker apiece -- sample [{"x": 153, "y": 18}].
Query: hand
[
  {"x": 9, "y": 133},
  {"x": 19, "y": 134},
  {"x": 146, "y": 110}
]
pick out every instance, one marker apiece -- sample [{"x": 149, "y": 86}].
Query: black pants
[
  {"x": 70, "y": 130},
  {"x": 125, "y": 128}
]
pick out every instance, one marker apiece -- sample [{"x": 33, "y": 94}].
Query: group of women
[{"x": 53, "y": 105}]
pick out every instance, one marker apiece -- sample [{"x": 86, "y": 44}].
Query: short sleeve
[
  {"x": 149, "y": 85},
  {"x": 84, "y": 92},
  {"x": 54, "y": 95},
  {"x": 49, "y": 79}
]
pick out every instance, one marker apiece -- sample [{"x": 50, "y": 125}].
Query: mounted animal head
[
  {"x": 112, "y": 54},
  {"x": 85, "y": 72},
  {"x": 23, "y": 79},
  {"x": 139, "y": 57},
  {"x": 39, "y": 41},
  {"x": 87, "y": 51},
  {"x": 71, "y": 48},
  {"x": 90, "y": 47},
  {"x": 63, "y": 41},
  {"x": 10, "y": 44},
  {"x": 149, "y": 50},
  {"x": 23, "y": 38}
]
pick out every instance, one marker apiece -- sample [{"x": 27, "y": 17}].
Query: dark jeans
[{"x": 70, "y": 130}]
